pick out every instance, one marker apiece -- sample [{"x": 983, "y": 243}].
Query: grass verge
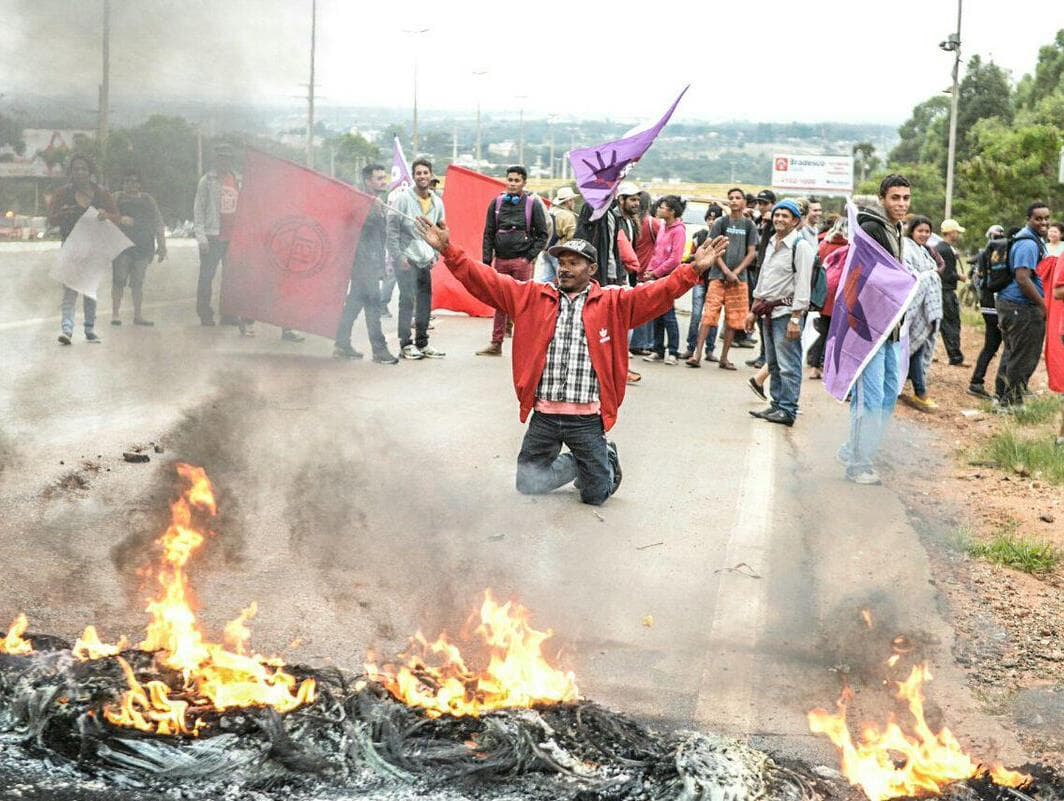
[
  {"x": 1010, "y": 549},
  {"x": 1038, "y": 411},
  {"x": 1038, "y": 456}
]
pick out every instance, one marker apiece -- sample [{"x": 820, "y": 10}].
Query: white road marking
[{"x": 726, "y": 693}]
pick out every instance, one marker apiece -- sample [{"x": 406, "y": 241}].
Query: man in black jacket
[
  {"x": 515, "y": 232},
  {"x": 951, "y": 307},
  {"x": 364, "y": 292}
]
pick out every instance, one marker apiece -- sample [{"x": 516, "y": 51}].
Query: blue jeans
[
  {"x": 667, "y": 324},
  {"x": 918, "y": 368},
  {"x": 642, "y": 337},
  {"x": 542, "y": 467},
  {"x": 783, "y": 358},
  {"x": 874, "y": 397},
  {"x": 70, "y": 298},
  {"x": 550, "y": 269},
  {"x": 698, "y": 300}
]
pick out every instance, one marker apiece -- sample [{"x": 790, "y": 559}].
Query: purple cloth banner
[
  {"x": 874, "y": 292},
  {"x": 599, "y": 170},
  {"x": 400, "y": 169}
]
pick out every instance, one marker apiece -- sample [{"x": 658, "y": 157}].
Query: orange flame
[
  {"x": 88, "y": 646},
  {"x": 13, "y": 643},
  {"x": 928, "y": 761},
  {"x": 517, "y": 676},
  {"x": 214, "y": 677}
]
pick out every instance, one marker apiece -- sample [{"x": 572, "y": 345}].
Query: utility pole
[
  {"x": 953, "y": 44},
  {"x": 521, "y": 131},
  {"x": 310, "y": 86},
  {"x": 102, "y": 125},
  {"x": 550, "y": 122},
  {"x": 417, "y": 52}
]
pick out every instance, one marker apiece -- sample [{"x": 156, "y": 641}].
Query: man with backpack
[
  {"x": 515, "y": 232},
  {"x": 996, "y": 243},
  {"x": 1021, "y": 307},
  {"x": 781, "y": 300}
]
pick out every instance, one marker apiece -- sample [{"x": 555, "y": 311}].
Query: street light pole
[
  {"x": 478, "y": 74},
  {"x": 103, "y": 125},
  {"x": 310, "y": 87},
  {"x": 953, "y": 43},
  {"x": 521, "y": 131},
  {"x": 415, "y": 31}
]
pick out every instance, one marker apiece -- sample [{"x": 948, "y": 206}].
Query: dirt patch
[{"x": 1009, "y": 624}]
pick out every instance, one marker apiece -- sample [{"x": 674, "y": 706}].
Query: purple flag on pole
[
  {"x": 874, "y": 292},
  {"x": 400, "y": 169},
  {"x": 599, "y": 170}
]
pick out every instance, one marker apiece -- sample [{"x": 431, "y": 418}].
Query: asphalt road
[{"x": 720, "y": 588}]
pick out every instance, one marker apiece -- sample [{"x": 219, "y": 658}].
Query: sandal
[
  {"x": 692, "y": 362},
  {"x": 723, "y": 365},
  {"x": 634, "y": 378}
]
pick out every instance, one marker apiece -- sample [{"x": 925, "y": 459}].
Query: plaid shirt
[{"x": 568, "y": 376}]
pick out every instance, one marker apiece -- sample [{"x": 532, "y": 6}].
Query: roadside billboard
[{"x": 831, "y": 175}]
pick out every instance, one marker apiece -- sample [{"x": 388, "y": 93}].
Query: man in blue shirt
[{"x": 1021, "y": 308}]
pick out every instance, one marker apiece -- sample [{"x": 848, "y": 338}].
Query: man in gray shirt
[{"x": 727, "y": 279}]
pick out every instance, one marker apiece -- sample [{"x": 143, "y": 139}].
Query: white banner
[
  {"x": 826, "y": 174},
  {"x": 87, "y": 254}
]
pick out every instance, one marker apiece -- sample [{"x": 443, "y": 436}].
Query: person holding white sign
[{"x": 67, "y": 208}]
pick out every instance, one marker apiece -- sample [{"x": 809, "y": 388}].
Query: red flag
[
  {"x": 1055, "y": 328},
  {"x": 467, "y": 195},
  {"x": 293, "y": 245}
]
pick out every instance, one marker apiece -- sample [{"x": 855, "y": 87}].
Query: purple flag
[
  {"x": 400, "y": 169},
  {"x": 874, "y": 292},
  {"x": 599, "y": 170}
]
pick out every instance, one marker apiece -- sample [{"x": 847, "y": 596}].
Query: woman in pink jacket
[{"x": 668, "y": 253}]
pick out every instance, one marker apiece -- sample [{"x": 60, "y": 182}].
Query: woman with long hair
[{"x": 925, "y": 312}]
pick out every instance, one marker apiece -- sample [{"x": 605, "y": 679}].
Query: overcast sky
[{"x": 851, "y": 60}]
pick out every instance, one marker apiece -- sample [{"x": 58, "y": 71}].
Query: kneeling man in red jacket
[{"x": 570, "y": 355}]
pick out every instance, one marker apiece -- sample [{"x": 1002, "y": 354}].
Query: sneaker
[
  {"x": 64, "y": 339},
  {"x": 494, "y": 349},
  {"x": 757, "y": 364},
  {"x": 757, "y": 389},
  {"x": 345, "y": 352},
  {"x": 745, "y": 343},
  {"x": 288, "y": 335},
  {"x": 615, "y": 462},
  {"x": 142, "y": 321},
  {"x": 671, "y": 359},
  {"x": 90, "y": 336},
  {"x": 116, "y": 321},
  {"x": 866, "y": 476},
  {"x": 430, "y": 352},
  {"x": 384, "y": 357},
  {"x": 923, "y": 404},
  {"x": 979, "y": 391},
  {"x": 779, "y": 416},
  {"x": 411, "y": 352},
  {"x": 654, "y": 357}
]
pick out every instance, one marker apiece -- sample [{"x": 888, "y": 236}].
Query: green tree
[
  {"x": 11, "y": 134},
  {"x": 353, "y": 152},
  {"x": 1048, "y": 75},
  {"x": 914, "y": 132},
  {"x": 865, "y": 159},
  {"x": 984, "y": 94}
]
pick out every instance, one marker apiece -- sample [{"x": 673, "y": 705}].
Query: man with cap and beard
[{"x": 570, "y": 356}]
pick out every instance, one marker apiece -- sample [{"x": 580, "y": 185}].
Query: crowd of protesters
[{"x": 752, "y": 271}]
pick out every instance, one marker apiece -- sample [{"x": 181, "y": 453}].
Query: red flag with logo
[
  {"x": 292, "y": 247},
  {"x": 467, "y": 195}
]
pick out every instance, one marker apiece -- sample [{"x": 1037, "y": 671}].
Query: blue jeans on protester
[
  {"x": 70, "y": 298},
  {"x": 918, "y": 368},
  {"x": 698, "y": 300},
  {"x": 873, "y": 399},
  {"x": 542, "y": 467},
  {"x": 642, "y": 337},
  {"x": 783, "y": 358},
  {"x": 667, "y": 324}
]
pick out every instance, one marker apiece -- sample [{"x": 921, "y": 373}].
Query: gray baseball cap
[{"x": 581, "y": 247}]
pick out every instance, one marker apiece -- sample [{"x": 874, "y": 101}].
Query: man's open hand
[
  {"x": 711, "y": 250},
  {"x": 437, "y": 236}
]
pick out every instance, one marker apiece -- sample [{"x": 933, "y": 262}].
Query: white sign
[
  {"x": 827, "y": 174},
  {"x": 87, "y": 253}
]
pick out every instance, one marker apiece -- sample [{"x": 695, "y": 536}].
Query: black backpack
[
  {"x": 818, "y": 279},
  {"x": 995, "y": 274}
]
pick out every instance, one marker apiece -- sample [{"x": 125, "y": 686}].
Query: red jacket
[{"x": 609, "y": 314}]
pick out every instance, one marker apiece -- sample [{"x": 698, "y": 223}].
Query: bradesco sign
[{"x": 829, "y": 174}]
